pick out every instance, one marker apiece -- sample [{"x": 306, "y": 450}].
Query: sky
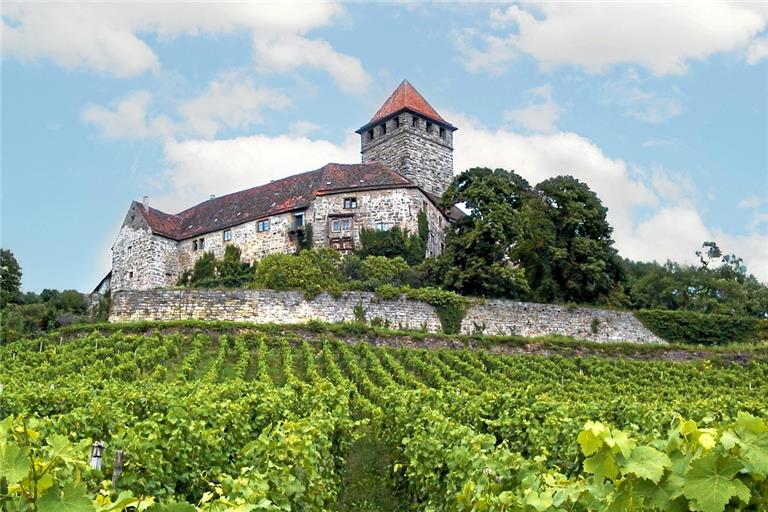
[{"x": 661, "y": 109}]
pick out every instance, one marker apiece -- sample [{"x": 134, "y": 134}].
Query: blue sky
[{"x": 663, "y": 110}]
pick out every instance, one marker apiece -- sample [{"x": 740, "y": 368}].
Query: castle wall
[
  {"x": 253, "y": 244},
  {"x": 424, "y": 158},
  {"x": 496, "y": 317},
  {"x": 393, "y": 207},
  {"x": 140, "y": 259}
]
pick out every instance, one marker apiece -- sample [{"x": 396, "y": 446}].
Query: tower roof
[{"x": 406, "y": 97}]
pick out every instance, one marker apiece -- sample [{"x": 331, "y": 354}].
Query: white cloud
[
  {"x": 662, "y": 38},
  {"x": 757, "y": 51},
  {"x": 129, "y": 119},
  {"x": 653, "y": 212},
  {"x": 540, "y": 114},
  {"x": 199, "y": 168},
  {"x": 230, "y": 101},
  {"x": 289, "y": 52},
  {"x": 106, "y": 37},
  {"x": 302, "y": 128}
]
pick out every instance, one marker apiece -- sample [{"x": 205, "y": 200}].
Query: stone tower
[{"x": 411, "y": 138}]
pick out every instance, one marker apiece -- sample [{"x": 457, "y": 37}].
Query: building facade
[{"x": 407, "y": 163}]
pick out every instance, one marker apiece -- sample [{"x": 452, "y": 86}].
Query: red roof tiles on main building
[{"x": 280, "y": 196}]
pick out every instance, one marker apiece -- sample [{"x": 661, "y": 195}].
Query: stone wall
[
  {"x": 497, "y": 317},
  {"x": 416, "y": 151}
]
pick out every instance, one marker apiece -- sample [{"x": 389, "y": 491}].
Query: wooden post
[{"x": 118, "y": 469}]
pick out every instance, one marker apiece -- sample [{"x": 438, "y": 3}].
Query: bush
[
  {"x": 702, "y": 328},
  {"x": 313, "y": 271}
]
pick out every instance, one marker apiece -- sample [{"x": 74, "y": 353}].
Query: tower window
[
  {"x": 384, "y": 129},
  {"x": 227, "y": 235},
  {"x": 370, "y": 134},
  {"x": 350, "y": 202},
  {"x": 442, "y": 132},
  {"x": 414, "y": 121},
  {"x": 262, "y": 225},
  {"x": 397, "y": 122},
  {"x": 429, "y": 127}
]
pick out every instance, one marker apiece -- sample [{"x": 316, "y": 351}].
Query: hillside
[{"x": 230, "y": 418}]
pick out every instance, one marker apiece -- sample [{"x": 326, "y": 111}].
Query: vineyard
[{"x": 220, "y": 420}]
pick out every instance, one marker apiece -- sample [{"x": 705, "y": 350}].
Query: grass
[{"x": 351, "y": 329}]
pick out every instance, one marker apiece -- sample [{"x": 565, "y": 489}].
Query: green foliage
[
  {"x": 720, "y": 285},
  {"x": 10, "y": 278},
  {"x": 305, "y": 238},
  {"x": 395, "y": 242},
  {"x": 567, "y": 250},
  {"x": 478, "y": 258},
  {"x": 705, "y": 329},
  {"x": 208, "y": 272},
  {"x": 313, "y": 271},
  {"x": 264, "y": 418}
]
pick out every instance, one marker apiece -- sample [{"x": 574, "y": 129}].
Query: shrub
[
  {"x": 313, "y": 271},
  {"x": 383, "y": 270},
  {"x": 702, "y": 328}
]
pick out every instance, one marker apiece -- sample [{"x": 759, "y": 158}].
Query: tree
[
  {"x": 478, "y": 258},
  {"x": 395, "y": 242},
  {"x": 568, "y": 251},
  {"x": 10, "y": 278}
]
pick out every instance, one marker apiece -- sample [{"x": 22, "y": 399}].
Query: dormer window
[{"x": 370, "y": 134}]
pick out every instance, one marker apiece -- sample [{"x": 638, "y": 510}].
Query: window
[
  {"x": 442, "y": 132},
  {"x": 336, "y": 226},
  {"x": 382, "y": 226},
  {"x": 298, "y": 219},
  {"x": 262, "y": 225},
  {"x": 227, "y": 235},
  {"x": 397, "y": 122},
  {"x": 198, "y": 245},
  {"x": 414, "y": 121},
  {"x": 350, "y": 202},
  {"x": 345, "y": 224},
  {"x": 384, "y": 129},
  {"x": 370, "y": 134},
  {"x": 429, "y": 127},
  {"x": 130, "y": 275}
]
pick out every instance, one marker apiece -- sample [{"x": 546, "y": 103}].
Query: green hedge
[{"x": 701, "y": 328}]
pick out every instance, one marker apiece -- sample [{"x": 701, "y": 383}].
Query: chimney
[{"x": 145, "y": 202}]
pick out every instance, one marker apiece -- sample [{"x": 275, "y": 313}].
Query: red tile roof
[
  {"x": 406, "y": 97},
  {"x": 280, "y": 196}
]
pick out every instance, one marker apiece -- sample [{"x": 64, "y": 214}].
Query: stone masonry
[
  {"x": 418, "y": 149},
  {"x": 494, "y": 317}
]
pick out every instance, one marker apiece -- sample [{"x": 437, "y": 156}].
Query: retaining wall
[{"x": 496, "y": 317}]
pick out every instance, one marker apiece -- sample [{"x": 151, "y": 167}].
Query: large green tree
[
  {"x": 478, "y": 258},
  {"x": 10, "y": 278},
  {"x": 566, "y": 248}
]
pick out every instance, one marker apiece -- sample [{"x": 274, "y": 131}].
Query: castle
[{"x": 407, "y": 163}]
